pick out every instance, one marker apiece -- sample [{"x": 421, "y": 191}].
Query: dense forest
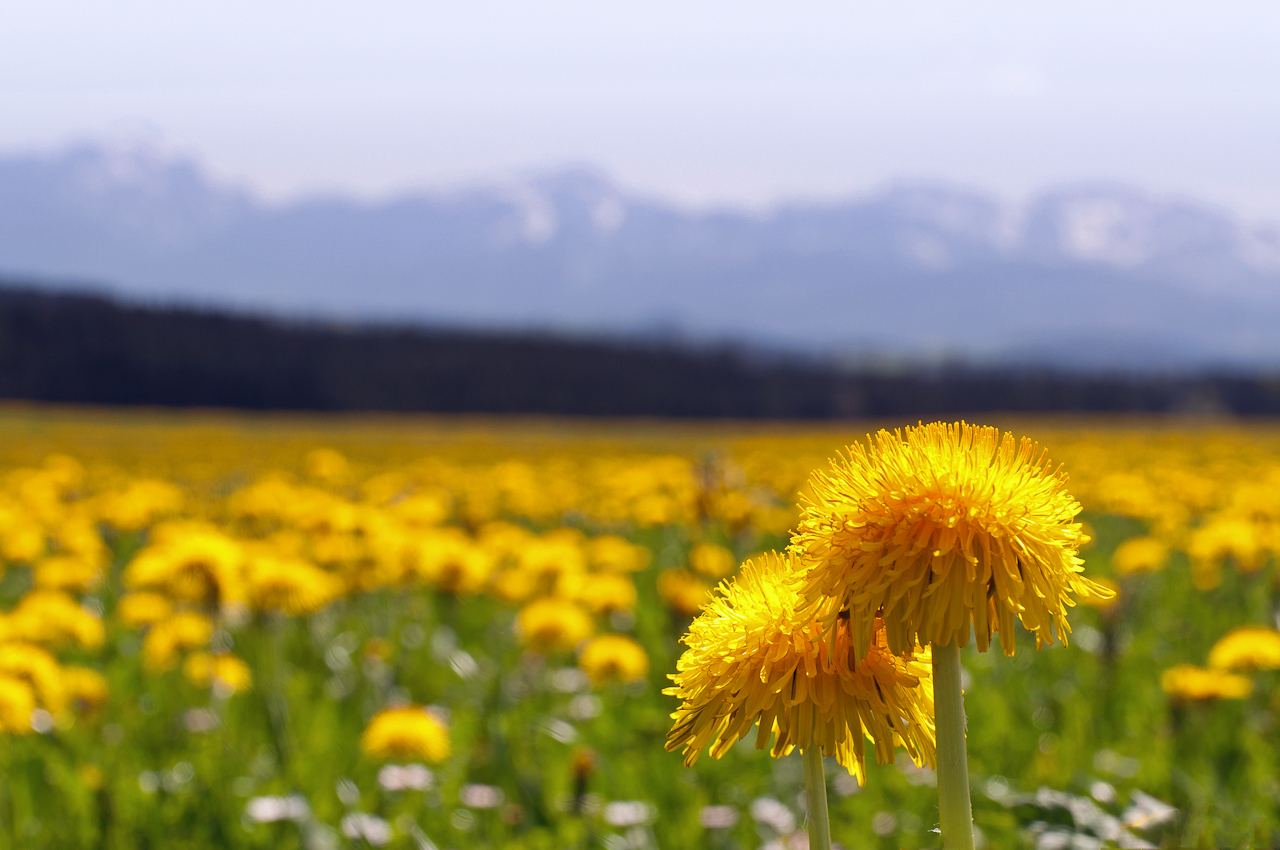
[{"x": 78, "y": 348}]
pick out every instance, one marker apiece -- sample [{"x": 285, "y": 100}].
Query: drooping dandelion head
[
  {"x": 756, "y": 660},
  {"x": 939, "y": 527}
]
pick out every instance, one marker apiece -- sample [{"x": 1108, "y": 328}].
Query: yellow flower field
[{"x": 230, "y": 630}]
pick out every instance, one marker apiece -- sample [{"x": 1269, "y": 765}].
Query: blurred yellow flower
[
  {"x": 683, "y": 591},
  {"x": 1188, "y": 682},
  {"x": 1140, "y": 555},
  {"x": 551, "y": 557},
  {"x": 22, "y": 537},
  {"x": 290, "y": 585},
  {"x": 17, "y": 701},
  {"x": 51, "y": 618},
  {"x": 714, "y": 562},
  {"x": 140, "y": 504},
  {"x": 754, "y": 659},
  {"x": 613, "y": 658},
  {"x": 1247, "y": 648},
  {"x": 164, "y": 640},
  {"x": 611, "y": 553},
  {"x": 548, "y": 625},
  {"x": 228, "y": 672},
  {"x": 191, "y": 563},
  {"x": 942, "y": 529},
  {"x": 39, "y": 670},
  {"x": 86, "y": 688},
  {"x": 607, "y": 592},
  {"x": 141, "y": 609},
  {"x": 410, "y": 732},
  {"x": 453, "y": 563},
  {"x": 423, "y": 510},
  {"x": 1220, "y": 539},
  {"x": 66, "y": 572}
]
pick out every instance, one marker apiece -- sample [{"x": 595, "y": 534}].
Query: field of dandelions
[{"x": 255, "y": 631}]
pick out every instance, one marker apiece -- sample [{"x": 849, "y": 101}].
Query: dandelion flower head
[
  {"x": 1247, "y": 648},
  {"x": 683, "y": 591},
  {"x": 611, "y": 658},
  {"x": 1140, "y": 555},
  {"x": 553, "y": 624},
  {"x": 1187, "y": 682},
  {"x": 406, "y": 732},
  {"x": 753, "y": 659},
  {"x": 231, "y": 675},
  {"x": 17, "y": 701},
  {"x": 938, "y": 527}
]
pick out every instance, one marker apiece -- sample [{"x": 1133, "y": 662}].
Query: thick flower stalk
[
  {"x": 754, "y": 660},
  {"x": 938, "y": 527}
]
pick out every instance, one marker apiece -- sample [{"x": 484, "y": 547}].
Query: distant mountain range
[{"x": 1093, "y": 276}]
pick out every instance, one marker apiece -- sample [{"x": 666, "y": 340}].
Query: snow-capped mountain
[{"x": 1093, "y": 275}]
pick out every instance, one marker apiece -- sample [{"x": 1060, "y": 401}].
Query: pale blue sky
[{"x": 707, "y": 103}]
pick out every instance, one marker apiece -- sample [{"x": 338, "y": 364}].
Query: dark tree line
[{"x": 89, "y": 349}]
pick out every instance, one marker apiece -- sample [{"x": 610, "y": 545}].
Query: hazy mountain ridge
[{"x": 1085, "y": 274}]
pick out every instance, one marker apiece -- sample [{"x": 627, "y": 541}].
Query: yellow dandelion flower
[
  {"x": 141, "y": 609},
  {"x": 66, "y": 572},
  {"x": 77, "y": 536},
  {"x": 65, "y": 472},
  {"x": 410, "y": 732},
  {"x": 85, "y": 687},
  {"x": 504, "y": 540},
  {"x": 613, "y": 554},
  {"x": 1247, "y": 648},
  {"x": 1187, "y": 682},
  {"x": 607, "y": 592},
  {"x": 514, "y": 586},
  {"x": 1140, "y": 555},
  {"x": 39, "y": 670},
  {"x": 551, "y": 556},
  {"x": 22, "y": 537},
  {"x": 712, "y": 561},
  {"x": 140, "y": 504},
  {"x": 17, "y": 701},
  {"x": 754, "y": 659},
  {"x": 613, "y": 658},
  {"x": 290, "y": 585},
  {"x": 1221, "y": 539},
  {"x": 51, "y": 618},
  {"x": 224, "y": 670},
  {"x": 164, "y": 640},
  {"x": 191, "y": 563},
  {"x": 683, "y": 592},
  {"x": 454, "y": 564},
  {"x": 423, "y": 510},
  {"x": 547, "y": 625},
  {"x": 939, "y": 527}
]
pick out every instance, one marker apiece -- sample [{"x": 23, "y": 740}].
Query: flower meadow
[{"x": 322, "y": 631}]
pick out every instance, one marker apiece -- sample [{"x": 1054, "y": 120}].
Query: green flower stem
[
  {"x": 815, "y": 789},
  {"x": 954, "y": 809}
]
